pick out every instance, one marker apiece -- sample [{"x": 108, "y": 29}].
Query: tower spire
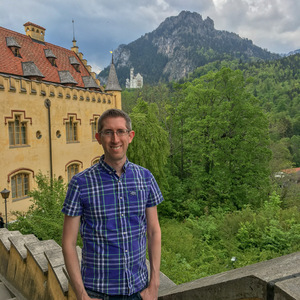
[
  {"x": 74, "y": 48},
  {"x": 112, "y": 56},
  {"x": 112, "y": 81},
  {"x": 73, "y": 31}
]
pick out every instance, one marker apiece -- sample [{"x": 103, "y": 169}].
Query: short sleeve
[
  {"x": 72, "y": 205},
  {"x": 155, "y": 196}
]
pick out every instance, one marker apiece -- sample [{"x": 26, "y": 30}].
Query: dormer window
[
  {"x": 51, "y": 57},
  {"x": 66, "y": 78},
  {"x": 52, "y": 61},
  {"x": 74, "y": 62},
  {"x": 14, "y": 46},
  {"x": 90, "y": 83},
  {"x": 30, "y": 70},
  {"x": 16, "y": 52}
]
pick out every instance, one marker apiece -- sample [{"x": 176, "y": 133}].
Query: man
[
  {"x": 115, "y": 204},
  {"x": 1, "y": 221}
]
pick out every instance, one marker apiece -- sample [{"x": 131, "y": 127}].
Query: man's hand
[
  {"x": 88, "y": 298},
  {"x": 149, "y": 293},
  {"x": 85, "y": 296}
]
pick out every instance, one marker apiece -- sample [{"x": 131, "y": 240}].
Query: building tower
[{"x": 113, "y": 85}]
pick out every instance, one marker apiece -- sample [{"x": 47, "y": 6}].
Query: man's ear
[
  {"x": 131, "y": 136},
  {"x": 98, "y": 138}
]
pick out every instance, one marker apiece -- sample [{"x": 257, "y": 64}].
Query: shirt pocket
[
  {"x": 136, "y": 202},
  {"x": 136, "y": 211}
]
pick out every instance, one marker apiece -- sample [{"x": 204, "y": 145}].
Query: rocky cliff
[{"x": 178, "y": 46}]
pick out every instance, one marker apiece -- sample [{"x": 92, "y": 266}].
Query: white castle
[{"x": 135, "y": 82}]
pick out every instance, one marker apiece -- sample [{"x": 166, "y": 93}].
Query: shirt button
[{"x": 122, "y": 215}]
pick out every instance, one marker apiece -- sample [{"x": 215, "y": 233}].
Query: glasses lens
[{"x": 119, "y": 132}]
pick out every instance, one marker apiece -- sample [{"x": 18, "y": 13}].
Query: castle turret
[
  {"x": 36, "y": 32},
  {"x": 113, "y": 85}
]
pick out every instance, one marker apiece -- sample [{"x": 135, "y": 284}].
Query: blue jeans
[{"x": 97, "y": 295}]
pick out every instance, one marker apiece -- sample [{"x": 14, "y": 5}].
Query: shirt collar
[{"x": 108, "y": 168}]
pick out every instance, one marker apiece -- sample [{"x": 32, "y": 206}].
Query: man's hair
[{"x": 114, "y": 113}]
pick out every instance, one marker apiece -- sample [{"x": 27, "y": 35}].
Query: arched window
[
  {"x": 72, "y": 170},
  {"x": 20, "y": 185},
  {"x": 72, "y": 130},
  {"x": 95, "y": 161},
  {"x": 94, "y": 126},
  {"x": 17, "y": 131}
]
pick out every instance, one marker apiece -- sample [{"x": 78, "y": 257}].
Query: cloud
[{"x": 101, "y": 26}]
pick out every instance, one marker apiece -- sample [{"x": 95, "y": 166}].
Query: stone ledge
[
  {"x": 5, "y": 234},
  {"x": 19, "y": 242},
  {"x": 276, "y": 279},
  {"x": 289, "y": 287},
  {"x": 228, "y": 285},
  {"x": 56, "y": 261},
  {"x": 37, "y": 251}
]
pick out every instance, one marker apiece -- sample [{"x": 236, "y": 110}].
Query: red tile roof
[
  {"x": 32, "y": 51},
  {"x": 290, "y": 171}
]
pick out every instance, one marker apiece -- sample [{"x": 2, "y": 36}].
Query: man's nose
[{"x": 114, "y": 136}]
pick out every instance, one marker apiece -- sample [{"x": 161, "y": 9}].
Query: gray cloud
[
  {"x": 271, "y": 24},
  {"x": 101, "y": 26}
]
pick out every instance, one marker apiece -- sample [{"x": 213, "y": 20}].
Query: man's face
[{"x": 115, "y": 147}]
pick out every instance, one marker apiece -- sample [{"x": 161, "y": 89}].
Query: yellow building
[{"x": 50, "y": 104}]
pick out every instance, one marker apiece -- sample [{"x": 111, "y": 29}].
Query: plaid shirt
[{"x": 113, "y": 225}]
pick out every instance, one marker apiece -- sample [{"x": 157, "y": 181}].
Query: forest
[{"x": 221, "y": 144}]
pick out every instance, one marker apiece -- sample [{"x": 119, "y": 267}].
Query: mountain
[
  {"x": 178, "y": 46},
  {"x": 293, "y": 52}
]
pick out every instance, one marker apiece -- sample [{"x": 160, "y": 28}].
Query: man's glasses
[{"x": 119, "y": 132}]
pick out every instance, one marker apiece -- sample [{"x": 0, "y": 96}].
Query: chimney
[{"x": 36, "y": 32}]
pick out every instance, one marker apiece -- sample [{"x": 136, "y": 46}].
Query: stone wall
[
  {"x": 36, "y": 269},
  {"x": 276, "y": 279}
]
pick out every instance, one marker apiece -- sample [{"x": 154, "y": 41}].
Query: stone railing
[
  {"x": 275, "y": 279},
  {"x": 36, "y": 270}
]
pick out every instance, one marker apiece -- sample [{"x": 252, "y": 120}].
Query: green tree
[
  {"x": 281, "y": 156},
  {"x": 225, "y": 142},
  {"x": 150, "y": 147},
  {"x": 44, "y": 217}
]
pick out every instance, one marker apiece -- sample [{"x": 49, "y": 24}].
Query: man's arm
[
  {"x": 69, "y": 240},
  {"x": 154, "y": 251}
]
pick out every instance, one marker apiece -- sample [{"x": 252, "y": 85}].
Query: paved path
[{"x": 7, "y": 292}]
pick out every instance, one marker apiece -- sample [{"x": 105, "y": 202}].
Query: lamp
[{"x": 5, "y": 195}]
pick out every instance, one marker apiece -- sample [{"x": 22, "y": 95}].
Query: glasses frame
[{"x": 111, "y": 133}]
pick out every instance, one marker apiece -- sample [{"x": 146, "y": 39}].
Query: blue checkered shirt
[{"x": 113, "y": 225}]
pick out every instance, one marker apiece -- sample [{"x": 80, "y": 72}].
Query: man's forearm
[
  {"x": 154, "y": 250},
  {"x": 70, "y": 232},
  {"x": 73, "y": 268}
]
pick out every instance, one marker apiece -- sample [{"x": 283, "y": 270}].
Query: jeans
[{"x": 97, "y": 295}]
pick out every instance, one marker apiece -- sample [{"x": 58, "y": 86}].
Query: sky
[{"x": 100, "y": 26}]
